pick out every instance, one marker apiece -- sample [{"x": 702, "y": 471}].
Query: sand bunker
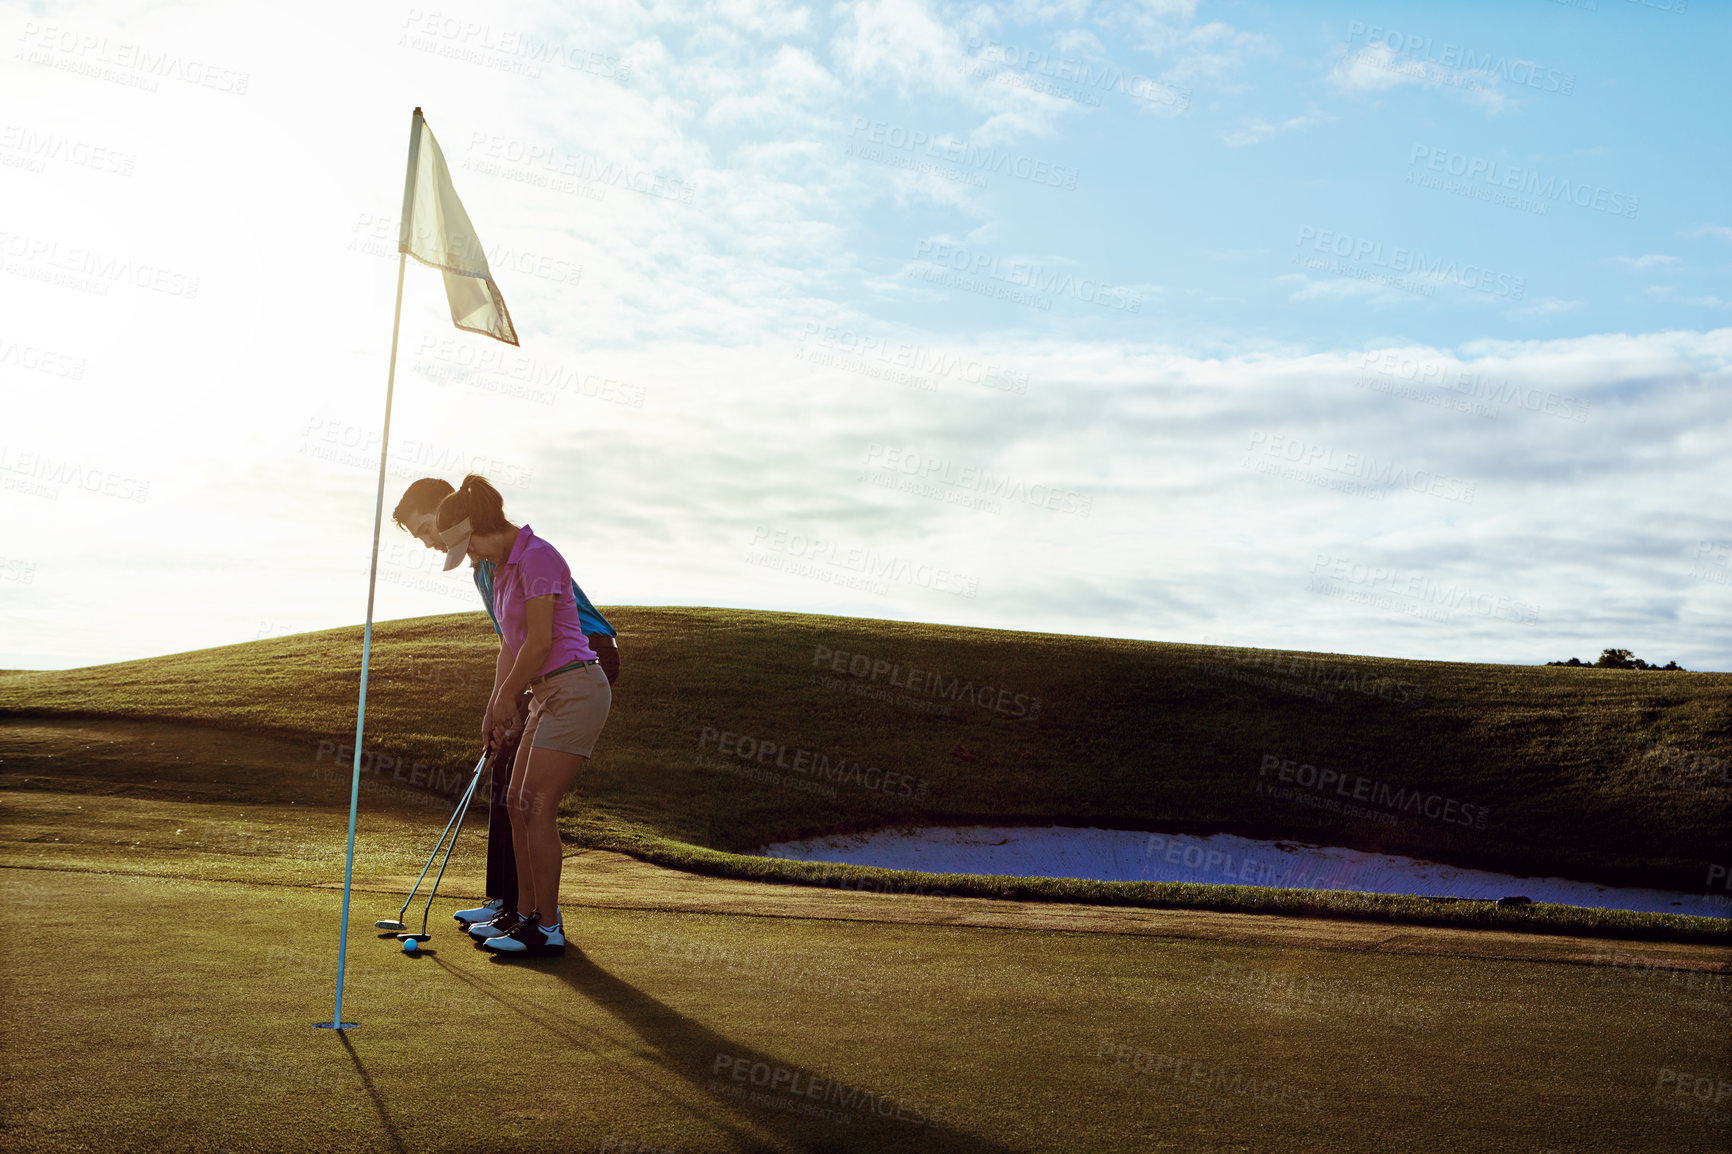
[{"x": 1124, "y": 855}]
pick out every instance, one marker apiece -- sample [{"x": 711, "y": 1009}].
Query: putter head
[
  {"x": 416, "y": 937},
  {"x": 389, "y": 924}
]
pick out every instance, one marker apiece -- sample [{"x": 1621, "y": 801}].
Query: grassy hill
[{"x": 1580, "y": 772}]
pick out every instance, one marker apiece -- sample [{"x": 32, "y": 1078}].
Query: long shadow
[
  {"x": 591, "y": 1040},
  {"x": 692, "y": 1051},
  {"x": 373, "y": 1093}
]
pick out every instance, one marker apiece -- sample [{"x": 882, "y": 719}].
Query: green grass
[
  {"x": 1127, "y": 734},
  {"x": 210, "y": 862},
  {"x": 160, "y": 1034}
]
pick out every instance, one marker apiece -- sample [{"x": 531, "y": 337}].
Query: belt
[{"x": 561, "y": 669}]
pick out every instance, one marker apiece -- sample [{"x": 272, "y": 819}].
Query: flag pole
[{"x": 336, "y": 1022}]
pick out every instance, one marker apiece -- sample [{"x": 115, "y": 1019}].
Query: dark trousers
[{"x": 501, "y": 855}]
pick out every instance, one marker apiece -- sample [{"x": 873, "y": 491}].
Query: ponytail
[{"x": 477, "y": 502}]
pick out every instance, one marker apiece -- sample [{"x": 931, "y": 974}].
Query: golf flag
[{"x": 436, "y": 231}]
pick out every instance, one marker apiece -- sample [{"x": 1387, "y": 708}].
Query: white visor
[{"x": 456, "y": 541}]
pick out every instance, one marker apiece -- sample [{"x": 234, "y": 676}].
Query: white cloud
[
  {"x": 664, "y": 504},
  {"x": 1669, "y": 292},
  {"x": 1545, "y": 307},
  {"x": 1638, "y": 263},
  {"x": 1336, "y": 289},
  {"x": 767, "y": 18},
  {"x": 903, "y": 40},
  {"x": 1377, "y": 68},
  {"x": 791, "y": 88},
  {"x": 1256, "y": 130}
]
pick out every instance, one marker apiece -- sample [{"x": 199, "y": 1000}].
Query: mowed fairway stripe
[
  {"x": 184, "y": 1024},
  {"x": 304, "y": 846}
]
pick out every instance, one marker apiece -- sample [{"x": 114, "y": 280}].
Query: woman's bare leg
[{"x": 547, "y": 775}]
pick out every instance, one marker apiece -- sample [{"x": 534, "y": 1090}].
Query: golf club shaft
[
  {"x": 475, "y": 777},
  {"x": 462, "y": 812}
]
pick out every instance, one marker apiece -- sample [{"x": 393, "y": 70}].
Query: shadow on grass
[
  {"x": 373, "y": 1093},
  {"x": 693, "y": 1052},
  {"x": 592, "y": 1041}
]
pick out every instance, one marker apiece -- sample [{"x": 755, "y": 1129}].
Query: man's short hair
[{"x": 421, "y": 497}]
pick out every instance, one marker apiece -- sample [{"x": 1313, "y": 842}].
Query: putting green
[
  {"x": 186, "y": 1024},
  {"x": 718, "y": 1014}
]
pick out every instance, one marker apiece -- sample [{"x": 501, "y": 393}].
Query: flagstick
[{"x": 336, "y": 1022}]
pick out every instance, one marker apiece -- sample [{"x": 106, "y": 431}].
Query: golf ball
[{"x": 410, "y": 945}]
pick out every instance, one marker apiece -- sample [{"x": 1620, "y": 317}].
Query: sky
[{"x": 1392, "y": 329}]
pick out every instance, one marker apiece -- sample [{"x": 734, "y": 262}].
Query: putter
[
  {"x": 396, "y": 924},
  {"x": 457, "y": 828}
]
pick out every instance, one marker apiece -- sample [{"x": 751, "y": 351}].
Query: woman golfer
[{"x": 544, "y": 649}]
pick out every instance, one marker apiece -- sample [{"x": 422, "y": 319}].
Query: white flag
[{"x": 436, "y": 231}]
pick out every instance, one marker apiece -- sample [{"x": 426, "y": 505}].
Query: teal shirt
[{"x": 593, "y": 621}]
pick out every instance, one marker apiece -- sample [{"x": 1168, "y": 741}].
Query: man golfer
[{"x": 415, "y": 512}]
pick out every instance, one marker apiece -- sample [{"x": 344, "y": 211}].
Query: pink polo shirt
[{"x": 535, "y": 569}]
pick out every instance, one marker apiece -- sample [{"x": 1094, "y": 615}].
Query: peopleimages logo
[
  {"x": 383, "y": 231},
  {"x": 877, "y": 356},
  {"x": 1334, "y": 675},
  {"x": 1474, "y": 384},
  {"x": 86, "y": 54},
  {"x": 869, "y": 564},
  {"x": 1498, "y": 174},
  {"x": 978, "y": 479},
  {"x": 467, "y": 39},
  {"x": 812, "y": 764},
  {"x": 1002, "y": 701},
  {"x": 1084, "y": 80},
  {"x": 1422, "y": 590},
  {"x": 1380, "y": 793},
  {"x": 40, "y": 360},
  {"x": 102, "y": 266},
  {"x": 968, "y": 158},
  {"x": 537, "y": 374},
  {"x": 1361, "y": 466},
  {"x": 1024, "y": 275},
  {"x": 488, "y": 153},
  {"x": 1514, "y": 69},
  {"x": 1333, "y": 996},
  {"x": 45, "y": 146},
  {"x": 65, "y": 471},
  {"x": 1221, "y": 1081},
  {"x": 1412, "y": 262},
  {"x": 779, "y": 1082}
]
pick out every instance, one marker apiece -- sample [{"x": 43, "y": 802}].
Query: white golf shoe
[
  {"x": 496, "y": 927},
  {"x": 482, "y": 913},
  {"x": 531, "y": 939}
]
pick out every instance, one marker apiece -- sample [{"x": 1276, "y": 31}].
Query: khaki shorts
[{"x": 567, "y": 710}]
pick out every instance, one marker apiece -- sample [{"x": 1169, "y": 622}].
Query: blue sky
[
  {"x": 1389, "y": 329},
  {"x": 1312, "y": 134}
]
